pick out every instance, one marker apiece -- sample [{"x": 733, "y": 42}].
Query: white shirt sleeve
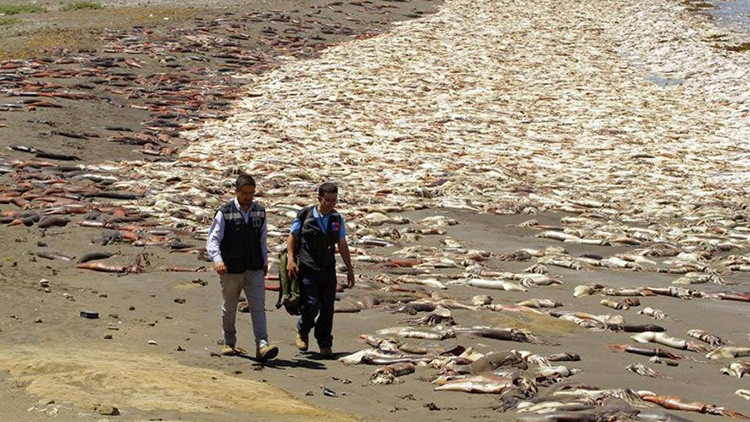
[{"x": 215, "y": 236}]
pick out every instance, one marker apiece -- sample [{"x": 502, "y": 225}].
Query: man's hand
[
  {"x": 220, "y": 268},
  {"x": 350, "y": 277},
  {"x": 344, "y": 252},
  {"x": 291, "y": 268},
  {"x": 265, "y": 270}
]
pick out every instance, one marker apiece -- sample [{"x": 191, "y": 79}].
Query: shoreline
[{"x": 726, "y": 14}]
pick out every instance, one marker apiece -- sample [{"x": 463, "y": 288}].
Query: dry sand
[{"x": 55, "y": 365}]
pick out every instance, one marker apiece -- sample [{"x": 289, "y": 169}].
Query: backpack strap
[{"x": 301, "y": 216}]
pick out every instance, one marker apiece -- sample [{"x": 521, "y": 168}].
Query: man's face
[
  {"x": 327, "y": 202},
  {"x": 245, "y": 195}
]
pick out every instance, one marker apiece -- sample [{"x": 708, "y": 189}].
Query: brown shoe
[
  {"x": 301, "y": 342},
  {"x": 266, "y": 352},
  {"x": 326, "y": 353},
  {"x": 227, "y": 350}
]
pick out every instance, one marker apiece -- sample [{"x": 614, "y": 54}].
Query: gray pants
[{"x": 253, "y": 283}]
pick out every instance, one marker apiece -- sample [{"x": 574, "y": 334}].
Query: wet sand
[
  {"x": 52, "y": 361},
  {"x": 734, "y": 14}
]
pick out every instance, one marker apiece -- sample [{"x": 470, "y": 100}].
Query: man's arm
[
  {"x": 344, "y": 252},
  {"x": 291, "y": 266},
  {"x": 291, "y": 242},
  {"x": 215, "y": 236}
]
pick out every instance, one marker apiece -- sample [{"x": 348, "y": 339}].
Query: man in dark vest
[
  {"x": 237, "y": 246},
  {"x": 311, "y": 246}
]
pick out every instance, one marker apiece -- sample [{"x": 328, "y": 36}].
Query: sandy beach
[{"x": 546, "y": 145}]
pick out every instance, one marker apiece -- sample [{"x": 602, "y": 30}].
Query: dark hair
[
  {"x": 244, "y": 180},
  {"x": 327, "y": 187}
]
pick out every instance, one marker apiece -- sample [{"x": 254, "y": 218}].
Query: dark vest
[
  {"x": 240, "y": 248},
  {"x": 317, "y": 249}
]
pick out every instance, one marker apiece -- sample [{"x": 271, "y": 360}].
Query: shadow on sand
[{"x": 309, "y": 360}]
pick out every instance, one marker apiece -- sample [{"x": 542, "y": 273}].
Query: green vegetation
[
  {"x": 8, "y": 21},
  {"x": 82, "y": 5},
  {"x": 15, "y": 9}
]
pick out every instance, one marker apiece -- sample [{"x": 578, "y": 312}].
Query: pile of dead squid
[
  {"x": 487, "y": 152},
  {"x": 47, "y": 196},
  {"x": 170, "y": 102},
  {"x": 528, "y": 382},
  {"x": 173, "y": 79},
  {"x": 417, "y": 280}
]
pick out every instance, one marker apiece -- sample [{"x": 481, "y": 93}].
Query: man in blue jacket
[{"x": 311, "y": 247}]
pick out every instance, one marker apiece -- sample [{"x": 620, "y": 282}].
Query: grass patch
[
  {"x": 37, "y": 42},
  {"x": 17, "y": 9},
  {"x": 4, "y": 21},
  {"x": 82, "y": 5}
]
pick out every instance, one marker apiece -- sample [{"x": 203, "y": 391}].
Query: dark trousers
[{"x": 318, "y": 292}]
